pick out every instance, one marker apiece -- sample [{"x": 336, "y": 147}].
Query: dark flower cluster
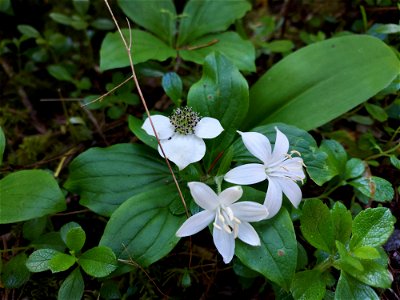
[{"x": 184, "y": 120}]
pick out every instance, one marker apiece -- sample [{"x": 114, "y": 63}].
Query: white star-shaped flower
[
  {"x": 230, "y": 219},
  {"x": 278, "y": 167},
  {"x": 181, "y": 135}
]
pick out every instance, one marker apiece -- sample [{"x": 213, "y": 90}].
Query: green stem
[{"x": 323, "y": 266}]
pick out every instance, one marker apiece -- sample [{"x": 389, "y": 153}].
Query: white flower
[
  {"x": 230, "y": 218},
  {"x": 181, "y": 135},
  {"x": 278, "y": 167}
]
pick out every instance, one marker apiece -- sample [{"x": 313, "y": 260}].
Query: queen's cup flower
[
  {"x": 278, "y": 167},
  {"x": 181, "y": 135},
  {"x": 230, "y": 219}
]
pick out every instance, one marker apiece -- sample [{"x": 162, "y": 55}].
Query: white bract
[
  {"x": 230, "y": 219},
  {"x": 278, "y": 167},
  {"x": 181, "y": 135}
]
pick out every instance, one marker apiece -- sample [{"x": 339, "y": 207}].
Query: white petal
[
  {"x": 183, "y": 149},
  {"x": 196, "y": 223},
  {"x": 248, "y": 234},
  {"x": 249, "y": 211},
  {"x": 225, "y": 243},
  {"x": 162, "y": 125},
  {"x": 273, "y": 199},
  {"x": 290, "y": 189},
  {"x": 281, "y": 147},
  {"x": 258, "y": 145},
  {"x": 230, "y": 195},
  {"x": 208, "y": 128},
  {"x": 203, "y": 195},
  {"x": 246, "y": 174}
]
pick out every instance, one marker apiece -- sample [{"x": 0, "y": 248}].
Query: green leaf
[
  {"x": 276, "y": 258},
  {"x": 60, "y": 73},
  {"x": 61, "y": 262},
  {"x": 317, "y": 225},
  {"x": 322, "y": 81},
  {"x": 239, "y": 51},
  {"x": 143, "y": 227},
  {"x": 355, "y": 167},
  {"x": 2, "y": 144},
  {"x": 28, "y": 31},
  {"x": 351, "y": 289},
  {"x": 34, "y": 228},
  {"x": 308, "y": 285},
  {"x": 15, "y": 273},
  {"x": 103, "y": 24},
  {"x": 278, "y": 46},
  {"x": 106, "y": 177},
  {"x": 145, "y": 46},
  {"x": 73, "y": 236},
  {"x": 221, "y": 93},
  {"x": 366, "y": 252},
  {"x": 30, "y": 194},
  {"x": 342, "y": 222},
  {"x": 347, "y": 260},
  {"x": 73, "y": 286},
  {"x": 372, "y": 227},
  {"x": 81, "y": 6},
  {"x": 38, "y": 261},
  {"x": 172, "y": 85},
  {"x": 49, "y": 240},
  {"x": 135, "y": 125},
  {"x": 159, "y": 16},
  {"x": 99, "y": 261},
  {"x": 393, "y": 160},
  {"x": 374, "y": 187},
  {"x": 337, "y": 156},
  {"x": 61, "y": 18},
  {"x": 207, "y": 16},
  {"x": 377, "y": 112}
]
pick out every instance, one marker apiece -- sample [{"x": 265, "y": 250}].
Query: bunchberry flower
[
  {"x": 181, "y": 135},
  {"x": 230, "y": 219},
  {"x": 278, "y": 167}
]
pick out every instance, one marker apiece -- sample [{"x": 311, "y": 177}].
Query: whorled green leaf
[
  {"x": 374, "y": 187},
  {"x": 337, "y": 156},
  {"x": 239, "y": 51},
  {"x": 15, "y": 273},
  {"x": 38, "y": 261},
  {"x": 208, "y": 16},
  {"x": 61, "y": 262},
  {"x": 308, "y": 285},
  {"x": 317, "y": 225},
  {"x": 322, "y": 81},
  {"x": 355, "y": 167},
  {"x": 106, "y": 177},
  {"x": 372, "y": 227},
  {"x": 72, "y": 287},
  {"x": 221, "y": 93},
  {"x": 145, "y": 46},
  {"x": 299, "y": 140},
  {"x": 159, "y": 17},
  {"x": 342, "y": 222},
  {"x": 351, "y": 289},
  {"x": 143, "y": 227},
  {"x": 73, "y": 236},
  {"x": 2, "y": 144},
  {"x": 30, "y": 194},
  {"x": 98, "y": 262},
  {"x": 276, "y": 258}
]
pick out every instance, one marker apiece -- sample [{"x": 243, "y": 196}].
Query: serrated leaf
[
  {"x": 308, "y": 285},
  {"x": 143, "y": 227},
  {"x": 355, "y": 167},
  {"x": 38, "y": 261},
  {"x": 106, "y": 177},
  {"x": 30, "y": 194},
  {"x": 342, "y": 222},
  {"x": 372, "y": 227},
  {"x": 99, "y": 261},
  {"x": 276, "y": 258},
  {"x": 15, "y": 273},
  {"x": 317, "y": 225},
  {"x": 73, "y": 236},
  {"x": 72, "y": 287},
  {"x": 61, "y": 262},
  {"x": 374, "y": 187},
  {"x": 351, "y": 289}
]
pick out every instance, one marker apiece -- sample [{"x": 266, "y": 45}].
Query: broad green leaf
[
  {"x": 374, "y": 187},
  {"x": 239, "y": 51},
  {"x": 366, "y": 252},
  {"x": 200, "y": 17},
  {"x": 317, "y": 225},
  {"x": 221, "y": 93},
  {"x": 61, "y": 262},
  {"x": 372, "y": 227},
  {"x": 322, "y": 81},
  {"x": 61, "y": 18},
  {"x": 337, "y": 156},
  {"x": 143, "y": 227},
  {"x": 106, "y": 177},
  {"x": 308, "y": 285},
  {"x": 355, "y": 167},
  {"x": 172, "y": 85},
  {"x": 145, "y": 46},
  {"x": 98, "y": 262},
  {"x": 15, "y": 273},
  {"x": 377, "y": 112},
  {"x": 276, "y": 258},
  {"x": 38, "y": 261},
  {"x": 60, "y": 73},
  {"x": 73, "y": 236},
  {"x": 30, "y": 194},
  {"x": 157, "y": 16},
  {"x": 2, "y": 144},
  {"x": 72, "y": 287},
  {"x": 28, "y": 31},
  {"x": 342, "y": 222},
  {"x": 351, "y": 289},
  {"x": 135, "y": 125}
]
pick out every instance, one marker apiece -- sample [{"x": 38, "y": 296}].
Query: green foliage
[
  {"x": 72, "y": 287},
  {"x": 172, "y": 85},
  {"x": 14, "y": 273},
  {"x": 98, "y": 261},
  {"x": 73, "y": 236}
]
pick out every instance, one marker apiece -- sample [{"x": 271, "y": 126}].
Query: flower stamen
[{"x": 184, "y": 120}]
